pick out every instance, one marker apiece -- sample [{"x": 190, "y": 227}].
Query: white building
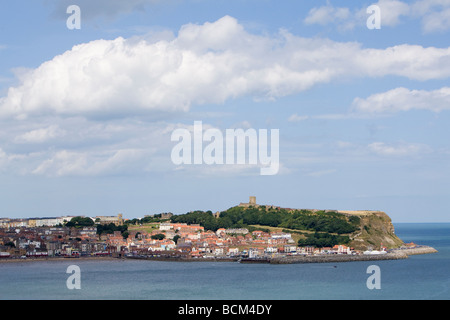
[{"x": 165, "y": 226}]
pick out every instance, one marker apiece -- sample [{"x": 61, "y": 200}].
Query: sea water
[{"x": 418, "y": 277}]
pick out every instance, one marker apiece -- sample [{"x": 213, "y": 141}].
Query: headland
[{"x": 248, "y": 233}]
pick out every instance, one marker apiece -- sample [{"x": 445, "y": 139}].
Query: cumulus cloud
[
  {"x": 50, "y": 120},
  {"x": 403, "y": 99},
  {"x": 203, "y": 64}
]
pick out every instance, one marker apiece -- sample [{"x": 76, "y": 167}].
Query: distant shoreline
[
  {"x": 21, "y": 260},
  {"x": 395, "y": 254}
]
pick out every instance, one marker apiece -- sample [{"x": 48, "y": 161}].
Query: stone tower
[{"x": 252, "y": 200}]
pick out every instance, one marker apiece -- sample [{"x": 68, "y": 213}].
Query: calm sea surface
[{"x": 419, "y": 277}]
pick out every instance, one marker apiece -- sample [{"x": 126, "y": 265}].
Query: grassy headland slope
[{"x": 375, "y": 229}]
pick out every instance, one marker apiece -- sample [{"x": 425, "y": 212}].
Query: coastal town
[
  {"x": 52, "y": 237},
  {"x": 167, "y": 236}
]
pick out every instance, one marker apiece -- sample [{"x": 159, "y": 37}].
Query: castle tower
[{"x": 252, "y": 200}]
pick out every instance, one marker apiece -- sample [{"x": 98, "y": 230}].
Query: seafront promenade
[{"x": 395, "y": 254}]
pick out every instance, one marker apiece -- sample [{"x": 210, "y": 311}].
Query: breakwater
[
  {"x": 416, "y": 250},
  {"x": 338, "y": 258},
  {"x": 396, "y": 254}
]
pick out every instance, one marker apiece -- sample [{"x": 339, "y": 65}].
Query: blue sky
[{"x": 86, "y": 115}]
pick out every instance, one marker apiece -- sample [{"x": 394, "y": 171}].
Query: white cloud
[
  {"x": 296, "y": 118},
  {"x": 84, "y": 147},
  {"x": 345, "y": 18},
  {"x": 204, "y": 64},
  {"x": 14, "y": 162},
  {"x": 411, "y": 61},
  {"x": 391, "y": 11},
  {"x": 98, "y": 148},
  {"x": 82, "y": 163},
  {"x": 327, "y": 14},
  {"x": 50, "y": 121},
  {"x": 4, "y": 159},
  {"x": 40, "y": 135},
  {"x": 433, "y": 14},
  {"x": 399, "y": 149},
  {"x": 403, "y": 99},
  {"x": 437, "y": 21}
]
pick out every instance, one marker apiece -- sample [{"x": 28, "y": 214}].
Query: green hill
[
  {"x": 375, "y": 230},
  {"x": 359, "y": 229}
]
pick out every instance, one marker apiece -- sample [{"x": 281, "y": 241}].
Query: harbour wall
[
  {"x": 393, "y": 255},
  {"x": 416, "y": 250},
  {"x": 338, "y": 258}
]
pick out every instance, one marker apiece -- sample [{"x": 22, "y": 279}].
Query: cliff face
[{"x": 376, "y": 230}]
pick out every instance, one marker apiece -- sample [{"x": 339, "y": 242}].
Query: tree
[
  {"x": 239, "y": 217},
  {"x": 158, "y": 236},
  {"x": 10, "y": 244},
  {"x": 321, "y": 240},
  {"x": 80, "y": 222},
  {"x": 110, "y": 228}
]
